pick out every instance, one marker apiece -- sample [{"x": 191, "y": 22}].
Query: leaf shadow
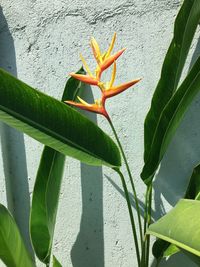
[{"x": 13, "y": 148}]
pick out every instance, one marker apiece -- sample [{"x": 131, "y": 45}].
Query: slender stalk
[
  {"x": 143, "y": 257},
  {"x": 147, "y": 221},
  {"x": 149, "y": 203},
  {"x": 130, "y": 214},
  {"x": 146, "y": 210},
  {"x": 131, "y": 180}
]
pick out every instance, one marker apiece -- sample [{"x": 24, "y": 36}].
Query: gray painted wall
[{"x": 40, "y": 42}]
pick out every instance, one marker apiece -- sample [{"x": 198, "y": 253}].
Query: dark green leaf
[
  {"x": 180, "y": 226},
  {"x": 162, "y": 248},
  {"x": 56, "y": 263},
  {"x": 193, "y": 190},
  {"x": 184, "y": 29},
  {"x": 54, "y": 124},
  {"x": 46, "y": 190},
  {"x": 12, "y": 249},
  {"x": 159, "y": 247},
  {"x": 170, "y": 119}
]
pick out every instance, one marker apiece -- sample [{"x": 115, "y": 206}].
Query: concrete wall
[{"x": 40, "y": 42}]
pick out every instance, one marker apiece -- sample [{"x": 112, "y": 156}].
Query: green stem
[
  {"x": 148, "y": 222},
  {"x": 130, "y": 214},
  {"x": 131, "y": 180},
  {"x": 143, "y": 252}
]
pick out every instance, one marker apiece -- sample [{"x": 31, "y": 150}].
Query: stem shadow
[{"x": 88, "y": 249}]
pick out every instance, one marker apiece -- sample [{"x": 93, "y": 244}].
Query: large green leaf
[
  {"x": 162, "y": 248},
  {"x": 180, "y": 226},
  {"x": 170, "y": 119},
  {"x": 54, "y": 124},
  {"x": 184, "y": 29},
  {"x": 46, "y": 190},
  {"x": 12, "y": 249}
]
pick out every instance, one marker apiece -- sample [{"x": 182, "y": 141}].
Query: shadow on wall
[
  {"x": 89, "y": 246},
  {"x": 176, "y": 168},
  {"x": 13, "y": 149}
]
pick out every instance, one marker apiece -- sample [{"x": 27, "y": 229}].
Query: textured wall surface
[{"x": 40, "y": 42}]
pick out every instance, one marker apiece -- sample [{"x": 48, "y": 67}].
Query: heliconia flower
[
  {"x": 103, "y": 60},
  {"x": 97, "y": 107},
  {"x": 108, "y": 90}
]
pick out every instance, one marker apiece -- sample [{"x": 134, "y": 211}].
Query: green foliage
[
  {"x": 170, "y": 119},
  {"x": 180, "y": 226},
  {"x": 47, "y": 188},
  {"x": 157, "y": 138},
  {"x": 12, "y": 249},
  {"x": 54, "y": 123},
  {"x": 162, "y": 248}
]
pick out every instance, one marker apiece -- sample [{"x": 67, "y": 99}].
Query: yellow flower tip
[
  {"x": 85, "y": 65},
  {"x": 113, "y": 75},
  {"x": 96, "y": 50},
  {"x": 111, "y": 46},
  {"x": 83, "y": 102}
]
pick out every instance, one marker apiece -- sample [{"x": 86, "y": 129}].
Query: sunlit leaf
[
  {"x": 12, "y": 249},
  {"x": 180, "y": 226}
]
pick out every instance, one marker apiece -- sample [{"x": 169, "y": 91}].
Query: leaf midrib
[
  {"x": 176, "y": 111},
  {"x": 173, "y": 241},
  {"x": 177, "y": 72}
]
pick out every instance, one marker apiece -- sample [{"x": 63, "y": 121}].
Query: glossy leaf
[
  {"x": 180, "y": 226},
  {"x": 56, "y": 263},
  {"x": 184, "y": 29},
  {"x": 12, "y": 249},
  {"x": 170, "y": 119},
  {"x": 162, "y": 248},
  {"x": 54, "y": 123},
  {"x": 46, "y": 190},
  {"x": 193, "y": 190}
]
